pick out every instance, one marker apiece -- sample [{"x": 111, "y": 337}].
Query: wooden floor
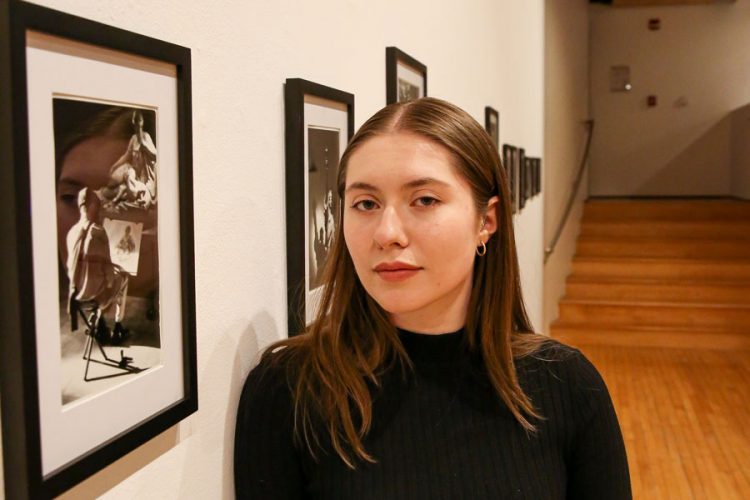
[
  {"x": 659, "y": 300},
  {"x": 685, "y": 418}
]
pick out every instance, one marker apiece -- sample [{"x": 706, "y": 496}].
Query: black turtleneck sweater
[{"x": 443, "y": 434}]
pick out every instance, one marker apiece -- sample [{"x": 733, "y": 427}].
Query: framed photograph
[
  {"x": 319, "y": 123},
  {"x": 510, "y": 161},
  {"x": 523, "y": 180},
  {"x": 532, "y": 176},
  {"x": 405, "y": 77},
  {"x": 492, "y": 124},
  {"x": 98, "y": 310},
  {"x": 538, "y": 175}
]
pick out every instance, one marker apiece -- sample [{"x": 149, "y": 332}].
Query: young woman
[{"x": 421, "y": 376}]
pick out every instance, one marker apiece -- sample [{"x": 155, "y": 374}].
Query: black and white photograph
[
  {"x": 323, "y": 204},
  {"x": 98, "y": 345},
  {"x": 106, "y": 182},
  {"x": 523, "y": 179},
  {"x": 406, "y": 77},
  {"x": 510, "y": 161},
  {"x": 319, "y": 123},
  {"x": 492, "y": 124}
]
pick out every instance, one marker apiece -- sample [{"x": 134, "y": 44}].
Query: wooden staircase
[{"x": 660, "y": 273}]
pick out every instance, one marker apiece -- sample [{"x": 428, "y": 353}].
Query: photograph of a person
[
  {"x": 107, "y": 233},
  {"x": 323, "y": 163},
  {"x": 421, "y": 374}
]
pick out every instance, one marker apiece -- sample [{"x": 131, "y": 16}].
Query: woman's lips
[{"x": 396, "y": 271}]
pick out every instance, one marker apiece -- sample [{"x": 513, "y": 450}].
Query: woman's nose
[{"x": 390, "y": 230}]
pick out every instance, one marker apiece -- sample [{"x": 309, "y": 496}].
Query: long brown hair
[{"x": 333, "y": 365}]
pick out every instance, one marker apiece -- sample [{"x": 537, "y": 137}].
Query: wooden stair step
[
  {"x": 699, "y": 209},
  {"x": 650, "y": 336},
  {"x": 660, "y": 268},
  {"x": 663, "y": 247},
  {"x": 703, "y": 315},
  {"x": 650, "y": 228},
  {"x": 657, "y": 290}
]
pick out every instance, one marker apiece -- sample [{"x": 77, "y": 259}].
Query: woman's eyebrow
[
  {"x": 423, "y": 181},
  {"x": 362, "y": 186}
]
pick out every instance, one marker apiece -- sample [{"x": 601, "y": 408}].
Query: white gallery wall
[
  {"x": 478, "y": 53},
  {"x": 566, "y": 108},
  {"x": 698, "y": 68}
]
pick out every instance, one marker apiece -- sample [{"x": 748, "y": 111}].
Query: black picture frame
[
  {"x": 492, "y": 124},
  {"x": 510, "y": 160},
  {"x": 398, "y": 89},
  {"x": 22, "y": 372},
  {"x": 300, "y": 247},
  {"x": 523, "y": 180},
  {"x": 533, "y": 176},
  {"x": 538, "y": 176}
]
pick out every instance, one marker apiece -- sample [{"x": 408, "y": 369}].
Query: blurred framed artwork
[
  {"x": 492, "y": 124},
  {"x": 319, "y": 123},
  {"x": 537, "y": 176},
  {"x": 523, "y": 179},
  {"x": 405, "y": 77},
  {"x": 510, "y": 161},
  {"x": 98, "y": 349}
]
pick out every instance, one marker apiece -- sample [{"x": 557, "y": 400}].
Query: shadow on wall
[
  {"x": 703, "y": 159},
  {"x": 741, "y": 152}
]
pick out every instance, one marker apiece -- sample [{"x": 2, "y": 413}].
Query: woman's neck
[{"x": 423, "y": 322}]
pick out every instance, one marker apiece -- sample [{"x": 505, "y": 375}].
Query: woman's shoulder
[
  {"x": 272, "y": 372},
  {"x": 566, "y": 366}
]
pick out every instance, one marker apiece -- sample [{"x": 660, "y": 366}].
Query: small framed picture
[
  {"x": 538, "y": 175},
  {"x": 523, "y": 180},
  {"x": 510, "y": 161},
  {"x": 532, "y": 176},
  {"x": 98, "y": 344},
  {"x": 492, "y": 124},
  {"x": 319, "y": 123},
  {"x": 405, "y": 77}
]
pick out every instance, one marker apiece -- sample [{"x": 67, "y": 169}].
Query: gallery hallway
[{"x": 658, "y": 300}]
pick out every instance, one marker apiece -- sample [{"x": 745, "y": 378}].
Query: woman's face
[
  {"x": 88, "y": 165},
  {"x": 412, "y": 229}
]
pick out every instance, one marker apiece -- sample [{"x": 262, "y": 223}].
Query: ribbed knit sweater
[{"x": 443, "y": 433}]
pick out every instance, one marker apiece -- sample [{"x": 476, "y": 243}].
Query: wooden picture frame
[
  {"x": 66, "y": 416},
  {"x": 319, "y": 124}
]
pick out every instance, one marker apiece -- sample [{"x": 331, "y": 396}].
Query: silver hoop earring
[{"x": 483, "y": 251}]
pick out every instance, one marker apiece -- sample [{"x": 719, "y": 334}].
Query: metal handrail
[{"x": 576, "y": 185}]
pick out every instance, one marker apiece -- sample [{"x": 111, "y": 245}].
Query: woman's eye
[
  {"x": 365, "y": 205},
  {"x": 426, "y": 201},
  {"x": 69, "y": 199}
]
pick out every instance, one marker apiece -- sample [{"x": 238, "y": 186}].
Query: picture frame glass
[
  {"x": 326, "y": 136},
  {"x": 410, "y": 82},
  {"x": 104, "y": 186},
  {"x": 494, "y": 128}
]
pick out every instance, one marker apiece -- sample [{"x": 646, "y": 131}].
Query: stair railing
[{"x": 571, "y": 199}]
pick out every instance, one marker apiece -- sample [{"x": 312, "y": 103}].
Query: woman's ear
[{"x": 490, "y": 219}]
